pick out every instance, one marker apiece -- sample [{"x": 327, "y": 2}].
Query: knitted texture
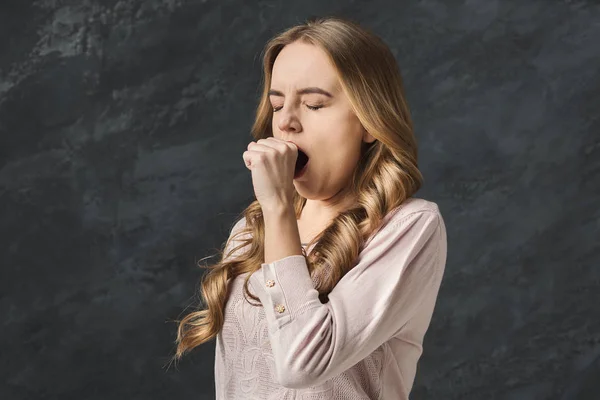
[{"x": 364, "y": 343}]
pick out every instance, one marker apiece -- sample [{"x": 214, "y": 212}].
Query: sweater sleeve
[
  {"x": 237, "y": 226},
  {"x": 313, "y": 342}
]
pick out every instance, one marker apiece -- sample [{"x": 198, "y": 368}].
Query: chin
[{"x": 300, "y": 189}]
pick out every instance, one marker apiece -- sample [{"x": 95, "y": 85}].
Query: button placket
[
  {"x": 275, "y": 293},
  {"x": 280, "y": 308}
]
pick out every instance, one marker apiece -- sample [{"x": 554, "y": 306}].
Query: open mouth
[{"x": 300, "y": 163}]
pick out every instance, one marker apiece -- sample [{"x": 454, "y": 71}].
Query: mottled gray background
[{"x": 122, "y": 128}]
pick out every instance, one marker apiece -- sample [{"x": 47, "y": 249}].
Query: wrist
[
  {"x": 282, "y": 238},
  {"x": 279, "y": 210}
]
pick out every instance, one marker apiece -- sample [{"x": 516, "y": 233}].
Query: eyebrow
[{"x": 306, "y": 90}]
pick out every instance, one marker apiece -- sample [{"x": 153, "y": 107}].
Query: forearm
[{"x": 282, "y": 238}]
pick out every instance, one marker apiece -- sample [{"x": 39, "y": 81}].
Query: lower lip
[{"x": 302, "y": 171}]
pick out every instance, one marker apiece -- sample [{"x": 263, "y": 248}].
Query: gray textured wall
[{"x": 122, "y": 128}]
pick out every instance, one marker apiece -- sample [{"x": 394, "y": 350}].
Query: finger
[
  {"x": 270, "y": 142},
  {"x": 260, "y": 147},
  {"x": 247, "y": 159},
  {"x": 278, "y": 144},
  {"x": 292, "y": 145},
  {"x": 287, "y": 143},
  {"x": 253, "y": 158}
]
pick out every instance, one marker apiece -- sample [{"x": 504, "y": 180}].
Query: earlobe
[{"x": 367, "y": 137}]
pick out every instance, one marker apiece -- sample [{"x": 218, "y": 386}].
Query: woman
[{"x": 342, "y": 263}]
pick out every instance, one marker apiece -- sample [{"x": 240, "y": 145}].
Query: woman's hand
[{"x": 272, "y": 162}]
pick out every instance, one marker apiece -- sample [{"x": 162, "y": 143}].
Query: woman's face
[{"x": 311, "y": 110}]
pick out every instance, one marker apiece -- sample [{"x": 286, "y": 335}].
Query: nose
[{"x": 287, "y": 120}]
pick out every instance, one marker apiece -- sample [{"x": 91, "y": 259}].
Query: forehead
[{"x": 300, "y": 64}]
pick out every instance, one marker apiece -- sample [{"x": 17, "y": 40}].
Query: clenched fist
[{"x": 272, "y": 163}]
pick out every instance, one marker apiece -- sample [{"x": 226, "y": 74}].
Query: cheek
[{"x": 340, "y": 159}]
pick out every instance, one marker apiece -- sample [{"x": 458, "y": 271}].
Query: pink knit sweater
[{"x": 363, "y": 344}]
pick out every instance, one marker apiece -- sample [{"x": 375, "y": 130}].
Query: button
[
  {"x": 270, "y": 283},
  {"x": 280, "y": 308}
]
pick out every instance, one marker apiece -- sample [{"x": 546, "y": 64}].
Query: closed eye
[{"x": 314, "y": 108}]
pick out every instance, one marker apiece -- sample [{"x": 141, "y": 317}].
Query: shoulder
[
  {"x": 420, "y": 214},
  {"x": 233, "y": 240},
  {"x": 239, "y": 224},
  {"x": 414, "y": 207}
]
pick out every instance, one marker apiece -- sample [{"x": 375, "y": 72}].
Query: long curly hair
[{"x": 387, "y": 173}]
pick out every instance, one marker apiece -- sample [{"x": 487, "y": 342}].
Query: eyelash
[{"x": 314, "y": 108}]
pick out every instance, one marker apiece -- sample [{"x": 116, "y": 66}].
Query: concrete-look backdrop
[{"x": 122, "y": 128}]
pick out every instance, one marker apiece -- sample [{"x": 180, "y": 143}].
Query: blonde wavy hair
[{"x": 386, "y": 175}]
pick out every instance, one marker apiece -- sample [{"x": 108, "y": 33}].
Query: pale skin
[{"x": 321, "y": 122}]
